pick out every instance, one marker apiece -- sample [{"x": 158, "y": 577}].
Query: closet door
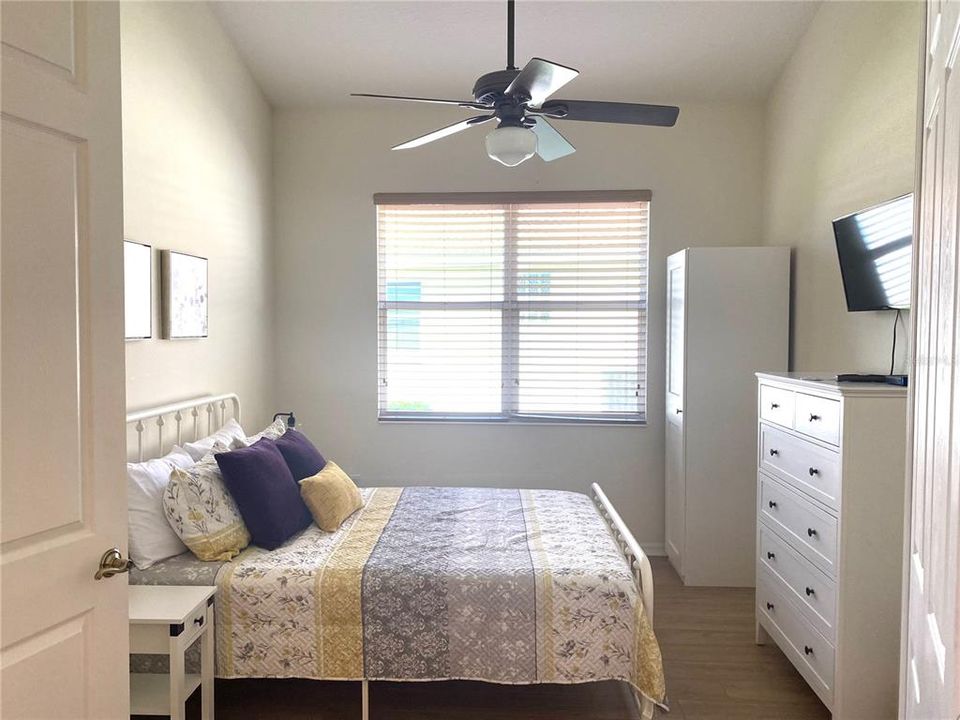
[
  {"x": 930, "y": 685},
  {"x": 675, "y": 481}
]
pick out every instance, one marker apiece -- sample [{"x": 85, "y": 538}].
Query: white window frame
[{"x": 510, "y": 309}]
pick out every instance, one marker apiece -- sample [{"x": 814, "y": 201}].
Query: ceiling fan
[{"x": 518, "y": 100}]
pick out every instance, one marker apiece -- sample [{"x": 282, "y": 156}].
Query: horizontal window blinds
[{"x": 520, "y": 310}]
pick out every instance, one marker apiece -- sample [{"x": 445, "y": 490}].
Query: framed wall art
[
  {"x": 137, "y": 290},
  {"x": 185, "y": 295}
]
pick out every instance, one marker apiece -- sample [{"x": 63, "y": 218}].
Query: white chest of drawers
[{"x": 830, "y": 512}]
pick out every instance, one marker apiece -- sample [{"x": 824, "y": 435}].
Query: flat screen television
[{"x": 875, "y": 249}]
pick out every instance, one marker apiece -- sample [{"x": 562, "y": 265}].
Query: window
[{"x": 513, "y": 306}]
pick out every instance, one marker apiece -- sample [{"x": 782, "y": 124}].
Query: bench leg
[{"x": 365, "y": 699}]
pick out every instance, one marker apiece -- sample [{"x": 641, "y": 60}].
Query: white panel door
[
  {"x": 63, "y": 635},
  {"x": 675, "y": 471},
  {"x": 930, "y": 686}
]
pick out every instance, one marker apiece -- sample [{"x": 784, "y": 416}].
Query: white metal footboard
[{"x": 639, "y": 567}]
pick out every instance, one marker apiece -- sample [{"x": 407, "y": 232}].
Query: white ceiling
[{"x": 315, "y": 53}]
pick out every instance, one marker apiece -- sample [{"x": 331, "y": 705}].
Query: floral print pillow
[{"x": 201, "y": 511}]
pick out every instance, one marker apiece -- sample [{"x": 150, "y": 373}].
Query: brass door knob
[{"x": 112, "y": 563}]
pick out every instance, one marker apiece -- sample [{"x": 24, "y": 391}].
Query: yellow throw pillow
[{"x": 331, "y": 496}]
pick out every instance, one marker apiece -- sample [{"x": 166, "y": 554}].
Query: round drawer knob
[
  {"x": 811, "y": 532},
  {"x": 774, "y": 406},
  {"x": 771, "y": 503},
  {"x": 774, "y": 452},
  {"x": 769, "y": 606},
  {"x": 813, "y": 417},
  {"x": 771, "y": 556},
  {"x": 807, "y": 650},
  {"x": 813, "y": 471},
  {"x": 810, "y": 591}
]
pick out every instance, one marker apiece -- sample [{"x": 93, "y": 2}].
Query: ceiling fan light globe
[{"x": 510, "y": 146}]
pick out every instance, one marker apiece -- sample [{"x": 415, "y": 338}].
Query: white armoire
[{"x": 727, "y": 317}]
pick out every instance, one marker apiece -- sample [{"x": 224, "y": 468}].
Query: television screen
[{"x": 874, "y": 247}]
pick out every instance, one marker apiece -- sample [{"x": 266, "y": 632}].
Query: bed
[{"x": 429, "y": 583}]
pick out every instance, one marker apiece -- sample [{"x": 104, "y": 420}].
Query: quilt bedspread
[{"x": 510, "y": 586}]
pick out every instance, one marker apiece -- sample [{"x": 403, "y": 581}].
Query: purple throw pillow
[
  {"x": 265, "y": 492},
  {"x": 303, "y": 459}
]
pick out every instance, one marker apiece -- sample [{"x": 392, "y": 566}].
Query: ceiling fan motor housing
[{"x": 490, "y": 87}]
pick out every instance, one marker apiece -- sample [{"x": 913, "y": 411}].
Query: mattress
[{"x": 423, "y": 583}]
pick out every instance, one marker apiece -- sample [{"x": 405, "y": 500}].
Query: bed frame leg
[{"x": 365, "y": 699}]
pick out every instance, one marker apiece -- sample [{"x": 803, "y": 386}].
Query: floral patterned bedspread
[{"x": 509, "y": 586}]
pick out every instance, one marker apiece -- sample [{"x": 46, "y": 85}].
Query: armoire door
[
  {"x": 930, "y": 681},
  {"x": 63, "y": 633},
  {"x": 675, "y": 473}
]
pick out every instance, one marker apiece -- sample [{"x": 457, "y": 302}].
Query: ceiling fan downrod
[{"x": 510, "y": 35}]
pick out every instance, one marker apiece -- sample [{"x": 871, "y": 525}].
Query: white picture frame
[
  {"x": 184, "y": 282},
  {"x": 137, "y": 290}
]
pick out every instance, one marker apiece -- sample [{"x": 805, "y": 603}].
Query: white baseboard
[{"x": 654, "y": 549}]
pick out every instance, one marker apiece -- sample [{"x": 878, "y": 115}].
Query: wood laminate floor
[{"x": 714, "y": 672}]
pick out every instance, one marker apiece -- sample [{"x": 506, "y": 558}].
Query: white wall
[
  {"x": 197, "y": 178},
  {"x": 705, "y": 175},
  {"x": 841, "y": 128}
]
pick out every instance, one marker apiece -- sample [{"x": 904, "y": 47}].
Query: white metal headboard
[{"x": 186, "y": 417}]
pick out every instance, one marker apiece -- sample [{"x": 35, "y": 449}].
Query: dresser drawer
[
  {"x": 812, "y": 591},
  {"x": 809, "y": 529},
  {"x": 809, "y": 468},
  {"x": 810, "y": 652},
  {"x": 818, "y": 417},
  {"x": 776, "y": 405}
]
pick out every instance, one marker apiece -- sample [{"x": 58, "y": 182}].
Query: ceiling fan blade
[
  {"x": 610, "y": 112},
  {"x": 551, "y": 145},
  {"x": 444, "y": 132},
  {"x": 435, "y": 101},
  {"x": 539, "y": 79}
]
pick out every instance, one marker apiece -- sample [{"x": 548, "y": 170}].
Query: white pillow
[
  {"x": 272, "y": 431},
  {"x": 151, "y": 539},
  {"x": 227, "y": 434}
]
